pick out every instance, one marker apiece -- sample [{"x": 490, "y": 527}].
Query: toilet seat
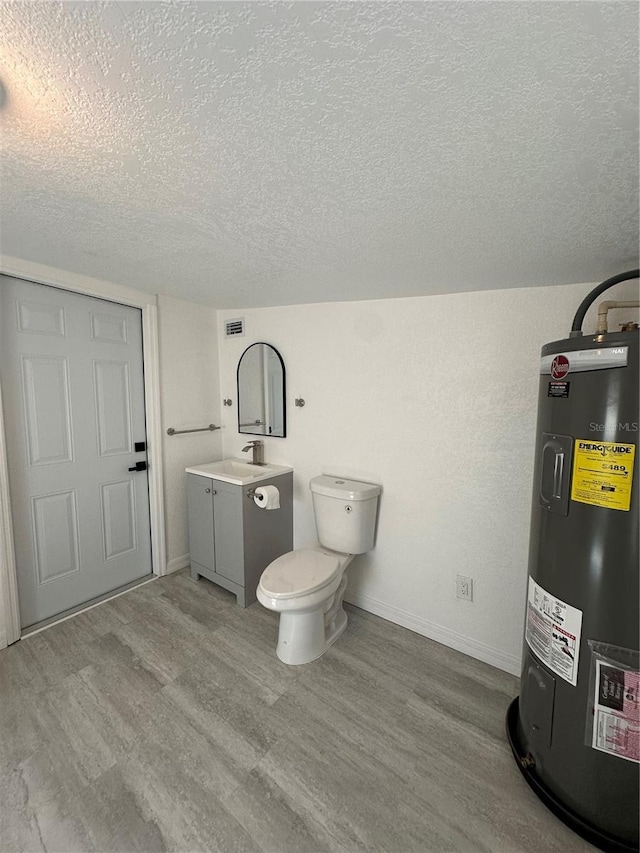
[{"x": 299, "y": 573}]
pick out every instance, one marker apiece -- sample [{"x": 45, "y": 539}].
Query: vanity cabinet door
[
  {"x": 228, "y": 535},
  {"x": 200, "y": 502}
]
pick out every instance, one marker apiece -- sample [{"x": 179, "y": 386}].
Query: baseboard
[
  {"x": 178, "y": 563},
  {"x": 446, "y": 636},
  {"x": 3, "y": 639}
]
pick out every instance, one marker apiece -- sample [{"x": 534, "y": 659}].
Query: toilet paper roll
[{"x": 267, "y": 497}]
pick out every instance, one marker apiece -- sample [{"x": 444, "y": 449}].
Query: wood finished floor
[{"x": 162, "y": 720}]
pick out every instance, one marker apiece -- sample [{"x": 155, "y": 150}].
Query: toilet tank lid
[{"x": 347, "y": 490}]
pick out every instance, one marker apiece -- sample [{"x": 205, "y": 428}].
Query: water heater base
[{"x": 586, "y": 830}]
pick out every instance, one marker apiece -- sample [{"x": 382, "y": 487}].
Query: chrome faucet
[{"x": 258, "y": 452}]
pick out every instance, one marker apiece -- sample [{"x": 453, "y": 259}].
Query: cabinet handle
[{"x": 208, "y": 491}]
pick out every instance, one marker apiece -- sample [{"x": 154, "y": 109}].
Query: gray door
[
  {"x": 72, "y": 377},
  {"x": 228, "y": 535}
]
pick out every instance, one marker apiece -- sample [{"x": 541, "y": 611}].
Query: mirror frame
[{"x": 284, "y": 392}]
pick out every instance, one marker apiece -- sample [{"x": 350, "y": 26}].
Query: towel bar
[{"x": 211, "y": 427}]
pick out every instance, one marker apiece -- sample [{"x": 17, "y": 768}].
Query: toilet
[{"x": 306, "y": 586}]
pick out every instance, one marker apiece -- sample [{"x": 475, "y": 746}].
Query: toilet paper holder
[
  {"x": 265, "y": 497},
  {"x": 251, "y": 493}
]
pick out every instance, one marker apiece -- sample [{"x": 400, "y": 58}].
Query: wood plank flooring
[{"x": 163, "y": 721}]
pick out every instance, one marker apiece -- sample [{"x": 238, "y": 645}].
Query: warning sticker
[
  {"x": 558, "y": 389},
  {"x": 553, "y": 632},
  {"x": 616, "y": 722},
  {"x": 602, "y": 473}
]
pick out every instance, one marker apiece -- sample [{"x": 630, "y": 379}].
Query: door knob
[{"x": 139, "y": 466}]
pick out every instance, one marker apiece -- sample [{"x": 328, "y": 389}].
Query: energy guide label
[
  {"x": 553, "y": 632},
  {"x": 602, "y": 473}
]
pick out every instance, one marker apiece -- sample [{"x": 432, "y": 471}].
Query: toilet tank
[{"x": 345, "y": 512}]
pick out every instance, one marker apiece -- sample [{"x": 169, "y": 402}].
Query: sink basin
[
  {"x": 237, "y": 471},
  {"x": 235, "y": 468}
]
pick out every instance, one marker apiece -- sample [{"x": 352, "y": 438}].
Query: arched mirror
[{"x": 261, "y": 389}]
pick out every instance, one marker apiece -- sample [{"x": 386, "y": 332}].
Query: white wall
[
  {"x": 190, "y": 398},
  {"x": 385, "y": 382},
  {"x": 435, "y": 398}
]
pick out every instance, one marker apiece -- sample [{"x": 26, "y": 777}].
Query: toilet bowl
[{"x": 306, "y": 587}]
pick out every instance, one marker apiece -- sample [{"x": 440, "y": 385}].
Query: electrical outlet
[{"x": 464, "y": 588}]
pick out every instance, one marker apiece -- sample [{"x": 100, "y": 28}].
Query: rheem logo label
[{"x": 559, "y": 367}]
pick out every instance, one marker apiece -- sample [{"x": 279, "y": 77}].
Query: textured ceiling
[{"x": 248, "y": 154}]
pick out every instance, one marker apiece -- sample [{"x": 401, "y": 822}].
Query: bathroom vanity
[{"x": 231, "y": 539}]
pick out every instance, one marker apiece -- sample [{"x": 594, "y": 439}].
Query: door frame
[{"x": 147, "y": 302}]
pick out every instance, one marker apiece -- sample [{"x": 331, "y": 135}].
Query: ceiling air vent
[{"x": 234, "y": 328}]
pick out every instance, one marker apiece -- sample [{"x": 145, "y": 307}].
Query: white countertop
[{"x": 239, "y": 472}]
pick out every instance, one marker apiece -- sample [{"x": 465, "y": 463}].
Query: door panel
[
  {"x": 118, "y": 518},
  {"x": 72, "y": 377},
  {"x": 108, "y": 328},
  {"x": 55, "y": 528},
  {"x": 113, "y": 405},
  {"x": 45, "y": 391},
  {"x": 40, "y": 319}
]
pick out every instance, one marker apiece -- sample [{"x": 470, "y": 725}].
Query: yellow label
[{"x": 602, "y": 473}]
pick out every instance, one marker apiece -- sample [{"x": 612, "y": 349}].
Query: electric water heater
[{"x": 575, "y": 729}]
